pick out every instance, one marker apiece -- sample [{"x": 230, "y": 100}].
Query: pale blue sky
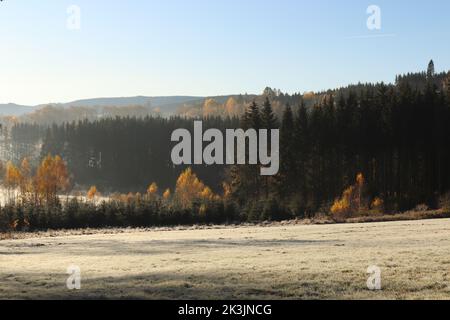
[{"x": 210, "y": 47}]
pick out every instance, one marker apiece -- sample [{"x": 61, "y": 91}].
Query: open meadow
[{"x": 275, "y": 262}]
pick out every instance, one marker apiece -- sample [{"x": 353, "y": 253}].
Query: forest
[{"x": 371, "y": 148}]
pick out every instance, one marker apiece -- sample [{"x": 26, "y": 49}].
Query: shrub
[
  {"x": 421, "y": 208},
  {"x": 342, "y": 208},
  {"x": 377, "y": 205},
  {"x": 353, "y": 201},
  {"x": 444, "y": 201},
  {"x": 254, "y": 211}
]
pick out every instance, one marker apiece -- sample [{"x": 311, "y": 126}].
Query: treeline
[
  {"x": 371, "y": 148},
  {"x": 35, "y": 201},
  {"x": 420, "y": 80},
  {"x": 124, "y": 154},
  {"x": 396, "y": 137}
]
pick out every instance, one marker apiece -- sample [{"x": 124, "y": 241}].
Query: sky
[{"x": 210, "y": 47}]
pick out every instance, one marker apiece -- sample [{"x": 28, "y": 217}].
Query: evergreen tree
[
  {"x": 268, "y": 118},
  {"x": 430, "y": 70},
  {"x": 286, "y": 176},
  {"x": 302, "y": 154},
  {"x": 269, "y": 121},
  {"x": 252, "y": 117}
]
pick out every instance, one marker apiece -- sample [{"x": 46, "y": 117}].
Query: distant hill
[
  {"x": 12, "y": 109},
  {"x": 167, "y": 104},
  {"x": 193, "y": 106}
]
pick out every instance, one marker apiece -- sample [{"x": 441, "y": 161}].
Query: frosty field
[{"x": 276, "y": 262}]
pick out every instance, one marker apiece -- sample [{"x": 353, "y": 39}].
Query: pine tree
[
  {"x": 268, "y": 118},
  {"x": 246, "y": 180},
  {"x": 268, "y": 121},
  {"x": 430, "y": 71},
  {"x": 446, "y": 86},
  {"x": 286, "y": 176},
  {"x": 302, "y": 153},
  {"x": 252, "y": 117}
]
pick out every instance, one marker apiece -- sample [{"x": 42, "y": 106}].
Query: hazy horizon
[{"x": 206, "y": 96}]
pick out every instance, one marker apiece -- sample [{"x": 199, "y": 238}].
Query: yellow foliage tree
[
  {"x": 377, "y": 205},
  {"x": 12, "y": 176},
  {"x": 207, "y": 194},
  {"x": 227, "y": 191},
  {"x": 189, "y": 188},
  {"x": 52, "y": 177},
  {"x": 152, "y": 191},
  {"x": 12, "y": 179},
  {"x": 92, "y": 193},
  {"x": 342, "y": 207},
  {"x": 211, "y": 108},
  {"x": 233, "y": 108},
  {"x": 351, "y": 201},
  {"x": 25, "y": 179},
  {"x": 167, "y": 194}
]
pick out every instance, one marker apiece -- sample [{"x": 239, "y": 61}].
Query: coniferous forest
[{"x": 367, "y": 148}]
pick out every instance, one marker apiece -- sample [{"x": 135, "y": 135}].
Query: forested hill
[
  {"x": 12, "y": 109},
  {"x": 191, "y": 106},
  {"x": 396, "y": 136},
  {"x": 236, "y": 105}
]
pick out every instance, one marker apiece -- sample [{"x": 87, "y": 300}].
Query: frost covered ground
[{"x": 274, "y": 262}]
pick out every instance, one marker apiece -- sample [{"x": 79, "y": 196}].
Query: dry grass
[
  {"x": 405, "y": 216},
  {"x": 251, "y": 262},
  {"x": 368, "y": 218}
]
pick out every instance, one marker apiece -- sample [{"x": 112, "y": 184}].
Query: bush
[
  {"x": 278, "y": 212},
  {"x": 354, "y": 202},
  {"x": 231, "y": 212},
  {"x": 254, "y": 211},
  {"x": 135, "y": 211},
  {"x": 299, "y": 209},
  {"x": 444, "y": 202},
  {"x": 421, "y": 208}
]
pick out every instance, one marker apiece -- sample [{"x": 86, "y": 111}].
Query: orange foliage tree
[
  {"x": 92, "y": 193},
  {"x": 12, "y": 180},
  {"x": 152, "y": 191},
  {"x": 25, "y": 183},
  {"x": 190, "y": 188},
  {"x": 52, "y": 177},
  {"x": 351, "y": 201},
  {"x": 167, "y": 194}
]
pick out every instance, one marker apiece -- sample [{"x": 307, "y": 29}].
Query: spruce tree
[
  {"x": 268, "y": 118},
  {"x": 430, "y": 71},
  {"x": 302, "y": 153},
  {"x": 286, "y": 176}
]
